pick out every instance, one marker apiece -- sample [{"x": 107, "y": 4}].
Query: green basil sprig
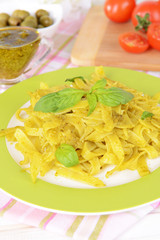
[
  {"x": 58, "y": 101},
  {"x": 69, "y": 97},
  {"x": 99, "y": 84},
  {"x": 73, "y": 79},
  {"x": 92, "y": 101},
  {"x": 113, "y": 96},
  {"x": 67, "y": 155},
  {"x": 146, "y": 114}
]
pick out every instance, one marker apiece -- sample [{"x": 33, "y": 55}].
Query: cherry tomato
[
  {"x": 151, "y": 7},
  {"x": 119, "y": 10},
  {"x": 153, "y": 35},
  {"x": 133, "y": 42}
]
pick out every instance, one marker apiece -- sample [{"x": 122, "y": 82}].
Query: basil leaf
[
  {"x": 58, "y": 101},
  {"x": 73, "y": 79},
  {"x": 113, "y": 96},
  {"x": 99, "y": 84},
  {"x": 92, "y": 101},
  {"x": 146, "y": 114},
  {"x": 67, "y": 155}
]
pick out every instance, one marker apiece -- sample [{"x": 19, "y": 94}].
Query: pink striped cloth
[{"x": 76, "y": 227}]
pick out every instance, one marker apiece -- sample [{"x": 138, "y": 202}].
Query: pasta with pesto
[{"x": 110, "y": 135}]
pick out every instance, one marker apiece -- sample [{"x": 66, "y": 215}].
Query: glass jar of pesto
[{"x": 18, "y": 45}]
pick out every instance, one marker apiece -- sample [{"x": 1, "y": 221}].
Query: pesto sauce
[{"x": 17, "y": 47}]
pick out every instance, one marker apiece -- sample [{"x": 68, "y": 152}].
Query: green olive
[
  {"x": 4, "y": 16},
  {"x": 14, "y": 21},
  {"x": 3, "y": 23},
  {"x": 29, "y": 23},
  {"x": 40, "y": 26},
  {"x": 31, "y": 18},
  {"x": 45, "y": 21},
  {"x": 22, "y": 14},
  {"x": 41, "y": 12}
]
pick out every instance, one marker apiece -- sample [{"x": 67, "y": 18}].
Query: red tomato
[
  {"x": 133, "y": 42},
  {"x": 153, "y": 35},
  {"x": 151, "y": 7},
  {"x": 119, "y": 10}
]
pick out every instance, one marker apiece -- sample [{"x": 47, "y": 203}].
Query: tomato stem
[{"x": 143, "y": 22}]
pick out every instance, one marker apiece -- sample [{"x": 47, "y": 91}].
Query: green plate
[{"x": 65, "y": 199}]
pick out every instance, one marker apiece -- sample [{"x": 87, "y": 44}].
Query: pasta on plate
[{"x": 98, "y": 130}]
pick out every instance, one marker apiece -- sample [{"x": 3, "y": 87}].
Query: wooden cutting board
[{"x": 97, "y": 44}]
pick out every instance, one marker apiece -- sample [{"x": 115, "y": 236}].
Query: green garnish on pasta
[{"x": 146, "y": 114}]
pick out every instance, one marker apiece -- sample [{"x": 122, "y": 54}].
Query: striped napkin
[
  {"x": 71, "y": 226},
  {"x": 76, "y": 227}
]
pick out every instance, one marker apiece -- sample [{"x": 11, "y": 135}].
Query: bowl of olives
[{"x": 43, "y": 17}]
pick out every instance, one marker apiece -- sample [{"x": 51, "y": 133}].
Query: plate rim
[{"x": 93, "y": 196}]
